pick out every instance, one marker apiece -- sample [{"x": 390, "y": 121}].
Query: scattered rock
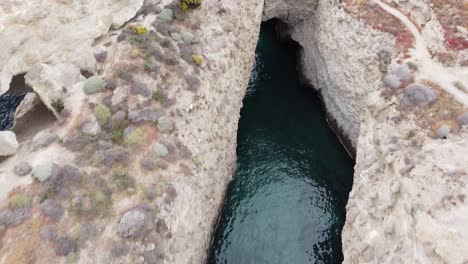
[
  {"x": 100, "y": 57},
  {"x": 114, "y": 155},
  {"x": 117, "y": 119},
  {"x": 145, "y": 115},
  {"x": 419, "y": 95},
  {"x": 94, "y": 85},
  {"x": 463, "y": 119},
  {"x": 52, "y": 209},
  {"x": 171, "y": 194},
  {"x": 64, "y": 246},
  {"x": 8, "y": 143},
  {"x": 193, "y": 82},
  {"x": 43, "y": 171},
  {"x": 120, "y": 95},
  {"x": 165, "y": 125},
  {"x": 160, "y": 150},
  {"x": 22, "y": 169},
  {"x": 150, "y": 257},
  {"x": 166, "y": 15},
  {"x": 443, "y": 132},
  {"x": 119, "y": 249},
  {"x": 130, "y": 223},
  {"x": 391, "y": 82},
  {"x": 91, "y": 126}
]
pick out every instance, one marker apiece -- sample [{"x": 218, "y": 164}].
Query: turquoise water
[{"x": 287, "y": 201}]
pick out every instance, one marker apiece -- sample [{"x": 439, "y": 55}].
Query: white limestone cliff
[
  {"x": 408, "y": 201},
  {"x": 190, "y": 111}
]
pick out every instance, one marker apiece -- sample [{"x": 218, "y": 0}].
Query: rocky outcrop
[
  {"x": 371, "y": 66},
  {"x": 56, "y": 32}
]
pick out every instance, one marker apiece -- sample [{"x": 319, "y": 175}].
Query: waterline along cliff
[{"x": 119, "y": 122}]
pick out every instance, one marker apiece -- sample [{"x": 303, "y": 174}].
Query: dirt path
[{"x": 428, "y": 68}]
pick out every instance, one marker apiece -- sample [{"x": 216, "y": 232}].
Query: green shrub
[
  {"x": 140, "y": 30},
  {"x": 159, "y": 96},
  {"x": 100, "y": 201},
  {"x": 117, "y": 135},
  {"x": 102, "y": 114},
  {"x": 186, "y": 5},
  {"x": 197, "y": 59},
  {"x": 136, "y": 137},
  {"x": 20, "y": 200},
  {"x": 75, "y": 232},
  {"x": 121, "y": 178}
]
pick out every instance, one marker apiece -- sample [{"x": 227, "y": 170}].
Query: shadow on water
[{"x": 287, "y": 201}]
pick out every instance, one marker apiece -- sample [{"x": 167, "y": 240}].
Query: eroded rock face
[
  {"x": 340, "y": 58},
  {"x": 408, "y": 200},
  {"x": 290, "y": 11}
]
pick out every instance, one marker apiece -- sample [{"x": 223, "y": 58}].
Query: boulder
[
  {"x": 22, "y": 169},
  {"x": 43, "y": 171},
  {"x": 130, "y": 223},
  {"x": 8, "y": 143}
]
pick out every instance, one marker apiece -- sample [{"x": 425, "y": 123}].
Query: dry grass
[
  {"x": 379, "y": 19},
  {"x": 443, "y": 111}
]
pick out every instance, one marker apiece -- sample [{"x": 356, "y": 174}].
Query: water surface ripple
[{"x": 287, "y": 201}]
